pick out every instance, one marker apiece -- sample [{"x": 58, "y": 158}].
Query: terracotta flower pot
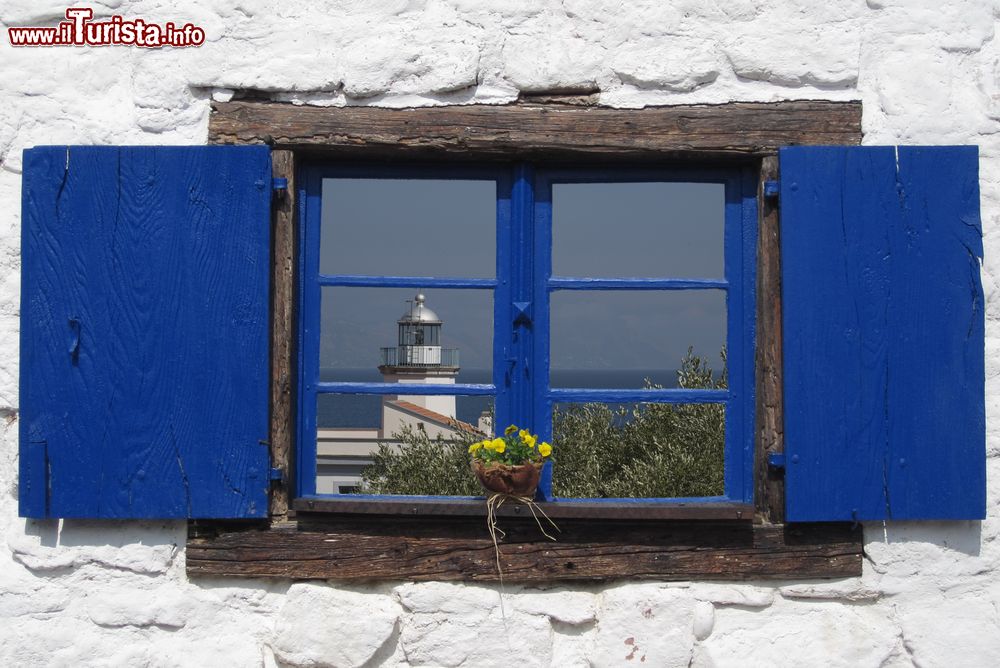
[{"x": 521, "y": 480}]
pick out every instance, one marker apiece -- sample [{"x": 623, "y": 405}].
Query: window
[
  {"x": 145, "y": 323},
  {"x": 568, "y": 286}
]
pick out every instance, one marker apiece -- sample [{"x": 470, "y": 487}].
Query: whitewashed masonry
[{"x": 99, "y": 593}]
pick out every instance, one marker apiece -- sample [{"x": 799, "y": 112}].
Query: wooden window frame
[{"x": 447, "y": 540}]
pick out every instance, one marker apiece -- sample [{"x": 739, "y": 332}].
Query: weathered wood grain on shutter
[
  {"x": 144, "y": 329},
  {"x": 883, "y": 333}
]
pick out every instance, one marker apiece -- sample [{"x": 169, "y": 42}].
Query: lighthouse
[
  {"x": 418, "y": 357},
  {"x": 343, "y": 452}
]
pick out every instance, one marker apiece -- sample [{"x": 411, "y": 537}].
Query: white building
[
  {"x": 116, "y": 593},
  {"x": 342, "y": 453}
]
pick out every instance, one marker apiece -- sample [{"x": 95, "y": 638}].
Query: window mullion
[
  {"x": 517, "y": 326},
  {"x": 541, "y": 254}
]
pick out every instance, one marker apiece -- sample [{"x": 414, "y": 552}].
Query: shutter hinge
[
  {"x": 771, "y": 189},
  {"x": 776, "y": 462},
  {"x": 277, "y": 475},
  {"x": 279, "y": 186}
]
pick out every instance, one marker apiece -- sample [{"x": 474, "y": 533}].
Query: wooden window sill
[
  {"x": 575, "y": 509},
  {"x": 372, "y": 547}
]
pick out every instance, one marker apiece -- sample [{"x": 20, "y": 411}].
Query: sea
[{"x": 358, "y": 410}]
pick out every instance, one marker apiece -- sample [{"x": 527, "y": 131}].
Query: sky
[{"x": 447, "y": 228}]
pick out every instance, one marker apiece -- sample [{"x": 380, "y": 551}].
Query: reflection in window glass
[
  {"x": 388, "y": 335},
  {"x": 638, "y": 229},
  {"x": 397, "y": 444},
  {"x": 622, "y": 339},
  {"x": 417, "y": 227},
  {"x": 638, "y": 450}
]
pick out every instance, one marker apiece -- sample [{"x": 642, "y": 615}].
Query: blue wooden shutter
[
  {"x": 883, "y": 333},
  {"x": 144, "y": 332}
]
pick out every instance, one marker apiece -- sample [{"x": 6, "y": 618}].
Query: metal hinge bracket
[
  {"x": 771, "y": 189},
  {"x": 279, "y": 187}
]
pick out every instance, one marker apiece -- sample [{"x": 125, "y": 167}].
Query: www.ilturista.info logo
[{"x": 79, "y": 30}]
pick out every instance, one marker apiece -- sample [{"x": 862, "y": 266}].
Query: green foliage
[
  {"x": 643, "y": 450},
  {"x": 421, "y": 465},
  {"x": 600, "y": 450}
]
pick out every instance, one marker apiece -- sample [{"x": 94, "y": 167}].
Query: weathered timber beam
[
  {"x": 735, "y": 129},
  {"x": 283, "y": 262},
  {"x": 770, "y": 438},
  {"x": 585, "y": 551}
]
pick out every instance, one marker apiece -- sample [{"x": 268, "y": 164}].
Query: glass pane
[
  {"x": 625, "y": 339},
  {"x": 638, "y": 229},
  {"x": 638, "y": 450},
  {"x": 398, "y": 444},
  {"x": 416, "y": 227},
  {"x": 388, "y": 335}
]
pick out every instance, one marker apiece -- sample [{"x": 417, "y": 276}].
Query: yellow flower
[
  {"x": 524, "y": 433},
  {"x": 475, "y": 447},
  {"x": 489, "y": 445},
  {"x": 528, "y": 439},
  {"x": 510, "y": 430},
  {"x": 544, "y": 449},
  {"x": 499, "y": 445}
]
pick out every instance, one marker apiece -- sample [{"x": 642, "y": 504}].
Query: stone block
[
  {"x": 745, "y": 595},
  {"x": 845, "y": 590},
  {"x": 959, "y": 630},
  {"x": 322, "y": 625},
  {"x": 487, "y": 639},
  {"x": 447, "y": 598},
  {"x": 802, "y": 634},
  {"x": 546, "y": 61},
  {"x": 797, "y": 55},
  {"x": 452, "y": 625},
  {"x": 645, "y": 624},
  {"x": 572, "y": 608},
  {"x": 163, "y": 607},
  {"x": 669, "y": 62},
  {"x": 704, "y": 619}
]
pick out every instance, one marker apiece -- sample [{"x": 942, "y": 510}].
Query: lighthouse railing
[{"x": 418, "y": 356}]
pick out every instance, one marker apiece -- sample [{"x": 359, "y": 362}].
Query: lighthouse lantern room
[{"x": 419, "y": 358}]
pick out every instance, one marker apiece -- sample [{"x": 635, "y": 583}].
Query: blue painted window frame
[{"x": 520, "y": 345}]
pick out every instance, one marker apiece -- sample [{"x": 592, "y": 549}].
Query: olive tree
[{"x": 601, "y": 450}]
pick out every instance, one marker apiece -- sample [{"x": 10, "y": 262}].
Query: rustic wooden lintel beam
[
  {"x": 733, "y": 129},
  {"x": 367, "y": 549}
]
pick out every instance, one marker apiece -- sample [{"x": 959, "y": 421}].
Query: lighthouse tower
[{"x": 419, "y": 358}]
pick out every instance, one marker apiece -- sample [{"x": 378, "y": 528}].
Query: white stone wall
[{"x": 101, "y": 593}]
